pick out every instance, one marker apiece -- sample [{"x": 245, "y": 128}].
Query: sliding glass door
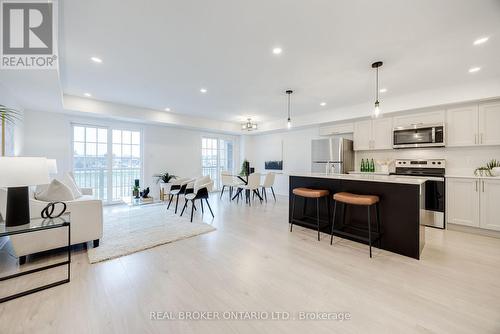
[
  {"x": 126, "y": 166},
  {"x": 90, "y": 159},
  {"x": 216, "y": 157},
  {"x": 107, "y": 160}
]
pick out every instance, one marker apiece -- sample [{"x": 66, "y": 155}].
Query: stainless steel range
[{"x": 435, "y": 169}]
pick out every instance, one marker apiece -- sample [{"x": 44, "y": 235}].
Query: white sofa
[{"x": 86, "y": 225}]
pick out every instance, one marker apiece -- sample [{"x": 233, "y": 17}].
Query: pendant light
[
  {"x": 376, "y": 110},
  {"x": 289, "y": 120}
]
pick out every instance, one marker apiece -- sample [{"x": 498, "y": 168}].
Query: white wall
[
  {"x": 175, "y": 150},
  {"x": 293, "y": 147}
]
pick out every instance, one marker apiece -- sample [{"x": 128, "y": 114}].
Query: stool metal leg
[
  {"x": 344, "y": 210},
  {"x": 378, "y": 225},
  {"x": 369, "y": 231},
  {"x": 317, "y": 214},
  {"x": 327, "y": 199},
  {"x": 333, "y": 220},
  {"x": 293, "y": 210}
]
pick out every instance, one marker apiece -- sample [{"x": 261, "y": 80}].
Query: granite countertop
[{"x": 368, "y": 178}]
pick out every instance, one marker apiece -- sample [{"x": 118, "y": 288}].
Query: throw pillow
[
  {"x": 70, "y": 182},
  {"x": 56, "y": 191}
]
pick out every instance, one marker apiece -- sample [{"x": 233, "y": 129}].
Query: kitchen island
[{"x": 401, "y": 201}]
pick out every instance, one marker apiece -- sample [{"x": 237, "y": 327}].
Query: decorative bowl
[{"x": 495, "y": 171}]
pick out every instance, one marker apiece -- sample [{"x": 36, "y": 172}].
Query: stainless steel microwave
[{"x": 419, "y": 135}]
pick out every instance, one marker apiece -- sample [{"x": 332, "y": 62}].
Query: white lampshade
[
  {"x": 52, "y": 165},
  {"x": 23, "y": 171}
]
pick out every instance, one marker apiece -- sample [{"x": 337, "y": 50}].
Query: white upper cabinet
[
  {"x": 382, "y": 134},
  {"x": 489, "y": 124},
  {"x": 462, "y": 126},
  {"x": 432, "y": 117},
  {"x": 373, "y": 134},
  {"x": 466, "y": 125},
  {"x": 462, "y": 201},
  {"x": 336, "y": 129},
  {"x": 490, "y": 209},
  {"x": 362, "y": 135}
]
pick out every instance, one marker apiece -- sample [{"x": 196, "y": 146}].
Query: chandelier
[{"x": 249, "y": 126}]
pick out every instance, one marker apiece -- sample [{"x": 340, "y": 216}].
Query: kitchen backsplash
[{"x": 459, "y": 160}]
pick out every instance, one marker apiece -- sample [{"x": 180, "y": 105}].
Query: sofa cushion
[
  {"x": 69, "y": 181},
  {"x": 56, "y": 191}
]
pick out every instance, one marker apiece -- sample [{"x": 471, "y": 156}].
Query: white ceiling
[{"x": 159, "y": 53}]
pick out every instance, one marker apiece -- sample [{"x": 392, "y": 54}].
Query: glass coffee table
[{"x": 38, "y": 224}]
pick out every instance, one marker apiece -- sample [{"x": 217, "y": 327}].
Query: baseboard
[{"x": 473, "y": 230}]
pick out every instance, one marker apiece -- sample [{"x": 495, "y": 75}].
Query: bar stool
[
  {"x": 314, "y": 194},
  {"x": 360, "y": 200}
]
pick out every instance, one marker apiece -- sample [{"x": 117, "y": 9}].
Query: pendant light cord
[
  {"x": 288, "y": 106},
  {"x": 377, "y": 85}
]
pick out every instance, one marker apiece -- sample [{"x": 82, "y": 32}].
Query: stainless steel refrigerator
[{"x": 332, "y": 155}]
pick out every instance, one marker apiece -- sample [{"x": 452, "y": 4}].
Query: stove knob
[{"x": 439, "y": 163}]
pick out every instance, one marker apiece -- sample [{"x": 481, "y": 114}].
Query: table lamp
[
  {"x": 16, "y": 174},
  {"x": 52, "y": 166}
]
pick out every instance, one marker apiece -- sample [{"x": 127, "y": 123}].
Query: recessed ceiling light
[
  {"x": 277, "y": 50},
  {"x": 167, "y": 109},
  {"x": 203, "y": 90},
  {"x": 87, "y": 94},
  {"x": 474, "y": 69},
  {"x": 96, "y": 60},
  {"x": 481, "y": 40},
  {"x": 383, "y": 90},
  {"x": 322, "y": 104}
]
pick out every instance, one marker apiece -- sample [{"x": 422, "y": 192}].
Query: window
[
  {"x": 111, "y": 176},
  {"x": 216, "y": 157}
]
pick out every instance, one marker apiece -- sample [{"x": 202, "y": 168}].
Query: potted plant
[
  {"x": 494, "y": 166},
  {"x": 164, "y": 180},
  {"x": 7, "y": 116},
  {"x": 164, "y": 177},
  {"x": 135, "y": 191},
  {"x": 245, "y": 168}
]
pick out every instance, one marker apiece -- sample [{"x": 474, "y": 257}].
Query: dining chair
[
  {"x": 252, "y": 187},
  {"x": 268, "y": 183},
  {"x": 178, "y": 188},
  {"x": 200, "y": 191},
  {"x": 228, "y": 180}
]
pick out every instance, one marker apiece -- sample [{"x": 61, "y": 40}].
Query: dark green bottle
[
  {"x": 372, "y": 166},
  {"x": 363, "y": 169}
]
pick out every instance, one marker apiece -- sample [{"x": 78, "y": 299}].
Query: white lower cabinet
[
  {"x": 490, "y": 204},
  {"x": 462, "y": 201},
  {"x": 473, "y": 202}
]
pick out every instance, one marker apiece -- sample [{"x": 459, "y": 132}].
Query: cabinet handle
[
  {"x": 475, "y": 182},
  {"x": 483, "y": 185},
  {"x": 475, "y": 138},
  {"x": 481, "y": 139}
]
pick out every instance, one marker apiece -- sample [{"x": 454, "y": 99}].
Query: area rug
[{"x": 131, "y": 230}]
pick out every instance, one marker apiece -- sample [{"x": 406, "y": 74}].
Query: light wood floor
[{"x": 252, "y": 263}]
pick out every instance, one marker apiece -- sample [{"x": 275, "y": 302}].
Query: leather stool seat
[
  {"x": 310, "y": 193},
  {"x": 354, "y": 199}
]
